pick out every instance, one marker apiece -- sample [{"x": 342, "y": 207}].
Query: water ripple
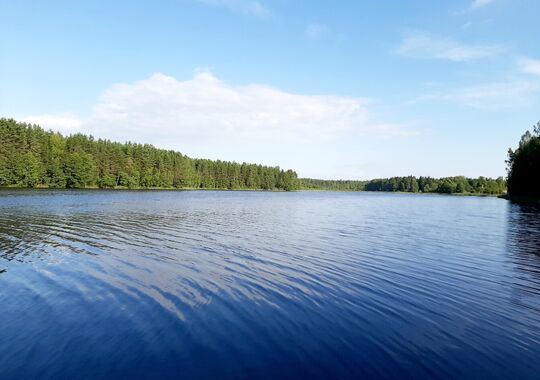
[{"x": 264, "y": 285}]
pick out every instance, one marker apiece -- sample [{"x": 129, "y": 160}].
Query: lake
[{"x": 204, "y": 284}]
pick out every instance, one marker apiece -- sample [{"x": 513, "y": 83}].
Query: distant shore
[{"x": 123, "y": 188}]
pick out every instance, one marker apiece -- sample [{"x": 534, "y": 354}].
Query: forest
[
  {"x": 446, "y": 185},
  {"x": 33, "y": 157},
  {"x": 524, "y": 166},
  {"x": 331, "y": 185},
  {"x": 411, "y": 184}
]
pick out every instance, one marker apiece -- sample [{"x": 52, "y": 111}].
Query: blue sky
[{"x": 333, "y": 89}]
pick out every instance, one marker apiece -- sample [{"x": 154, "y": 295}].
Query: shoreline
[
  {"x": 119, "y": 188},
  {"x": 526, "y": 199},
  {"x": 95, "y": 188}
]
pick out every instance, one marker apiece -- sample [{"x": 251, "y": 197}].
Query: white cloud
[
  {"x": 315, "y": 31},
  {"x": 480, "y": 3},
  {"x": 64, "y": 123},
  {"x": 529, "y": 66},
  {"x": 426, "y": 45},
  {"x": 248, "y": 7},
  {"x": 206, "y": 117},
  {"x": 491, "y": 96},
  {"x": 205, "y": 110}
]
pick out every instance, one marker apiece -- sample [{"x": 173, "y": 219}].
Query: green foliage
[
  {"x": 30, "y": 156},
  {"x": 335, "y": 185},
  {"x": 524, "y": 165},
  {"x": 27, "y": 170},
  {"x": 79, "y": 170},
  {"x": 410, "y": 184},
  {"x": 447, "y": 186},
  {"x": 5, "y": 173}
]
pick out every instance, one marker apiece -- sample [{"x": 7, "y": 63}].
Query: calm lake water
[{"x": 203, "y": 284}]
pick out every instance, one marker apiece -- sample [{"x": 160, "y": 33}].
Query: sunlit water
[{"x": 267, "y": 285}]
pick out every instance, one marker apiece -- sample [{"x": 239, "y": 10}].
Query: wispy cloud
[
  {"x": 529, "y": 66},
  {"x": 205, "y": 111},
  {"x": 431, "y": 46},
  {"x": 316, "y": 31},
  {"x": 64, "y": 123},
  {"x": 248, "y": 7},
  {"x": 490, "y": 96},
  {"x": 480, "y": 3}
]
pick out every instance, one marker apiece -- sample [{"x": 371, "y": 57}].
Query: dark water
[{"x": 267, "y": 285}]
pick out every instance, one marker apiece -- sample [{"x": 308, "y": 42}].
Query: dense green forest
[
  {"x": 33, "y": 157},
  {"x": 336, "y": 185},
  {"x": 446, "y": 185},
  {"x": 410, "y": 184},
  {"x": 524, "y": 166}
]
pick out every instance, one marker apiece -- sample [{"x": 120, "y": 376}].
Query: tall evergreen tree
[{"x": 30, "y": 157}]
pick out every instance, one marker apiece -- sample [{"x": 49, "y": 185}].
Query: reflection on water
[
  {"x": 524, "y": 249},
  {"x": 267, "y": 285}
]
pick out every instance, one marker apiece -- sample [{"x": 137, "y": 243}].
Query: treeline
[
  {"x": 33, "y": 157},
  {"x": 524, "y": 166},
  {"x": 410, "y": 184},
  {"x": 335, "y": 185},
  {"x": 446, "y": 185}
]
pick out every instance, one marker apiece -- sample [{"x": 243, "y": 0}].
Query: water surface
[{"x": 98, "y": 284}]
